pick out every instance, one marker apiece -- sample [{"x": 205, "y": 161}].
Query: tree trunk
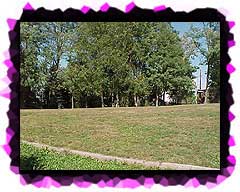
[
  {"x": 138, "y": 101},
  {"x": 157, "y": 99},
  {"x": 164, "y": 98},
  {"x": 22, "y": 96},
  {"x": 49, "y": 99},
  {"x": 112, "y": 100},
  {"x": 205, "y": 96},
  {"x": 72, "y": 102},
  {"x": 117, "y": 104},
  {"x": 135, "y": 100},
  {"x": 102, "y": 101},
  {"x": 86, "y": 102}
]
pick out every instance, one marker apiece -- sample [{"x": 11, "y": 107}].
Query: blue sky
[{"x": 183, "y": 27}]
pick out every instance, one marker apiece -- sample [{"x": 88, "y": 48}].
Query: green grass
[
  {"x": 188, "y": 134},
  {"x": 33, "y": 158}
]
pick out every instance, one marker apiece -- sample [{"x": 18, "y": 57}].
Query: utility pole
[{"x": 200, "y": 79}]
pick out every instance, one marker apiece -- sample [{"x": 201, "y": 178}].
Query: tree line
[{"x": 69, "y": 64}]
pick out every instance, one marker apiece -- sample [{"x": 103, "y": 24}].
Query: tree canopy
[
  {"x": 204, "y": 42},
  {"x": 101, "y": 64}
]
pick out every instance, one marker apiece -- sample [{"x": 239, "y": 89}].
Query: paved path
[{"x": 161, "y": 165}]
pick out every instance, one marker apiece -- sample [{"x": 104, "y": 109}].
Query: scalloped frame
[{"x": 102, "y": 180}]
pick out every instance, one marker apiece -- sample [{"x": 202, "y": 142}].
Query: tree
[
  {"x": 54, "y": 49},
  {"x": 89, "y": 55},
  {"x": 32, "y": 71},
  {"x": 166, "y": 65},
  {"x": 138, "y": 84},
  {"x": 98, "y": 64},
  {"x": 206, "y": 43}
]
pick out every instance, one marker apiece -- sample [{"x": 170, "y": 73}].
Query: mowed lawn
[{"x": 188, "y": 134}]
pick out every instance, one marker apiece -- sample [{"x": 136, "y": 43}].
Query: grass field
[{"x": 187, "y": 134}]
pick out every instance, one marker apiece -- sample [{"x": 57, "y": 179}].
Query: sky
[{"x": 183, "y": 27}]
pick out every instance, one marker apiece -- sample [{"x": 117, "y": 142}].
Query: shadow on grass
[{"x": 29, "y": 163}]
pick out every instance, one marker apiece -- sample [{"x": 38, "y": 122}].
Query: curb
[{"x": 161, "y": 165}]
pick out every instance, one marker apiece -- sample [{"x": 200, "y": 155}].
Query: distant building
[{"x": 166, "y": 97}]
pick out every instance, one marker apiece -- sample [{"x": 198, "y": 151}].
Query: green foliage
[
  {"x": 42, "y": 47},
  {"x": 33, "y": 158},
  {"x": 168, "y": 70},
  {"x": 116, "y": 61},
  {"x": 205, "y": 42}
]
